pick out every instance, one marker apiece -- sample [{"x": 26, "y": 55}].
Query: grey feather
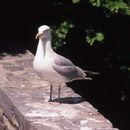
[
  {"x": 62, "y": 61},
  {"x": 66, "y": 68}
]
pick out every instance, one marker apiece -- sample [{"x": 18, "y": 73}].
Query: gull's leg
[
  {"x": 51, "y": 89},
  {"x": 59, "y": 90}
]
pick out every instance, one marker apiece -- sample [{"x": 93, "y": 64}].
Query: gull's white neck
[{"x": 44, "y": 48}]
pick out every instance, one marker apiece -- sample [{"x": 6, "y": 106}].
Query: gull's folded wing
[{"x": 67, "y": 69}]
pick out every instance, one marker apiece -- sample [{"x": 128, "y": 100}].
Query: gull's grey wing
[
  {"x": 69, "y": 72},
  {"x": 62, "y": 61},
  {"x": 67, "y": 69}
]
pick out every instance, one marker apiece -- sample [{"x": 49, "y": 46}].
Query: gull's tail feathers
[
  {"x": 91, "y": 73},
  {"x": 88, "y": 78}
]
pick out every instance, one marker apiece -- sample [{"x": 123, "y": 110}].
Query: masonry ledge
[{"x": 24, "y": 100}]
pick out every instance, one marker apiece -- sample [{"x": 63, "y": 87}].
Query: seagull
[{"x": 52, "y": 67}]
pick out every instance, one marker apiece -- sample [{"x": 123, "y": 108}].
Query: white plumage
[{"x": 52, "y": 67}]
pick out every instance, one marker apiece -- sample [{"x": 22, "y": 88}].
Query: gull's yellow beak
[{"x": 38, "y": 35}]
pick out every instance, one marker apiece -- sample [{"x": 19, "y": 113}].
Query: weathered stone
[
  {"x": 105, "y": 129},
  {"x": 24, "y": 99},
  {"x": 1, "y": 111},
  {"x": 1, "y": 114},
  {"x": 7, "y": 124},
  {"x": 12, "y": 67},
  {"x": 25, "y": 62},
  {"x": 18, "y": 82},
  {"x": 97, "y": 124},
  {"x": 2, "y": 126}
]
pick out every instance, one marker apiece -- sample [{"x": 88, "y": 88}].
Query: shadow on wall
[
  {"x": 70, "y": 100},
  {"x": 106, "y": 94},
  {"x": 11, "y": 48}
]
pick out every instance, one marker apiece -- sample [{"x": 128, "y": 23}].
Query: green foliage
[
  {"x": 60, "y": 32},
  {"x": 117, "y": 6},
  {"x": 94, "y": 37},
  {"x": 109, "y": 6},
  {"x": 75, "y": 1},
  {"x": 96, "y": 2},
  {"x": 128, "y": 68}
]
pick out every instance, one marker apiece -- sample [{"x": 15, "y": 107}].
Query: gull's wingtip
[
  {"x": 91, "y": 73},
  {"x": 88, "y": 78}
]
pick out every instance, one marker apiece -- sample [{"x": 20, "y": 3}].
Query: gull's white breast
[{"x": 44, "y": 69}]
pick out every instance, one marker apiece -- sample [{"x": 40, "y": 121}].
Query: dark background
[{"x": 109, "y": 92}]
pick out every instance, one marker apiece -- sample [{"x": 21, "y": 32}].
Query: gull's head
[{"x": 44, "y": 32}]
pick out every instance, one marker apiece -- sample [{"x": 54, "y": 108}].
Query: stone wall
[{"x": 24, "y": 101}]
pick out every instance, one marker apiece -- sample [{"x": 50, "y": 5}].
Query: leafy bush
[
  {"x": 117, "y": 6},
  {"x": 109, "y": 7},
  {"x": 60, "y": 32}
]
